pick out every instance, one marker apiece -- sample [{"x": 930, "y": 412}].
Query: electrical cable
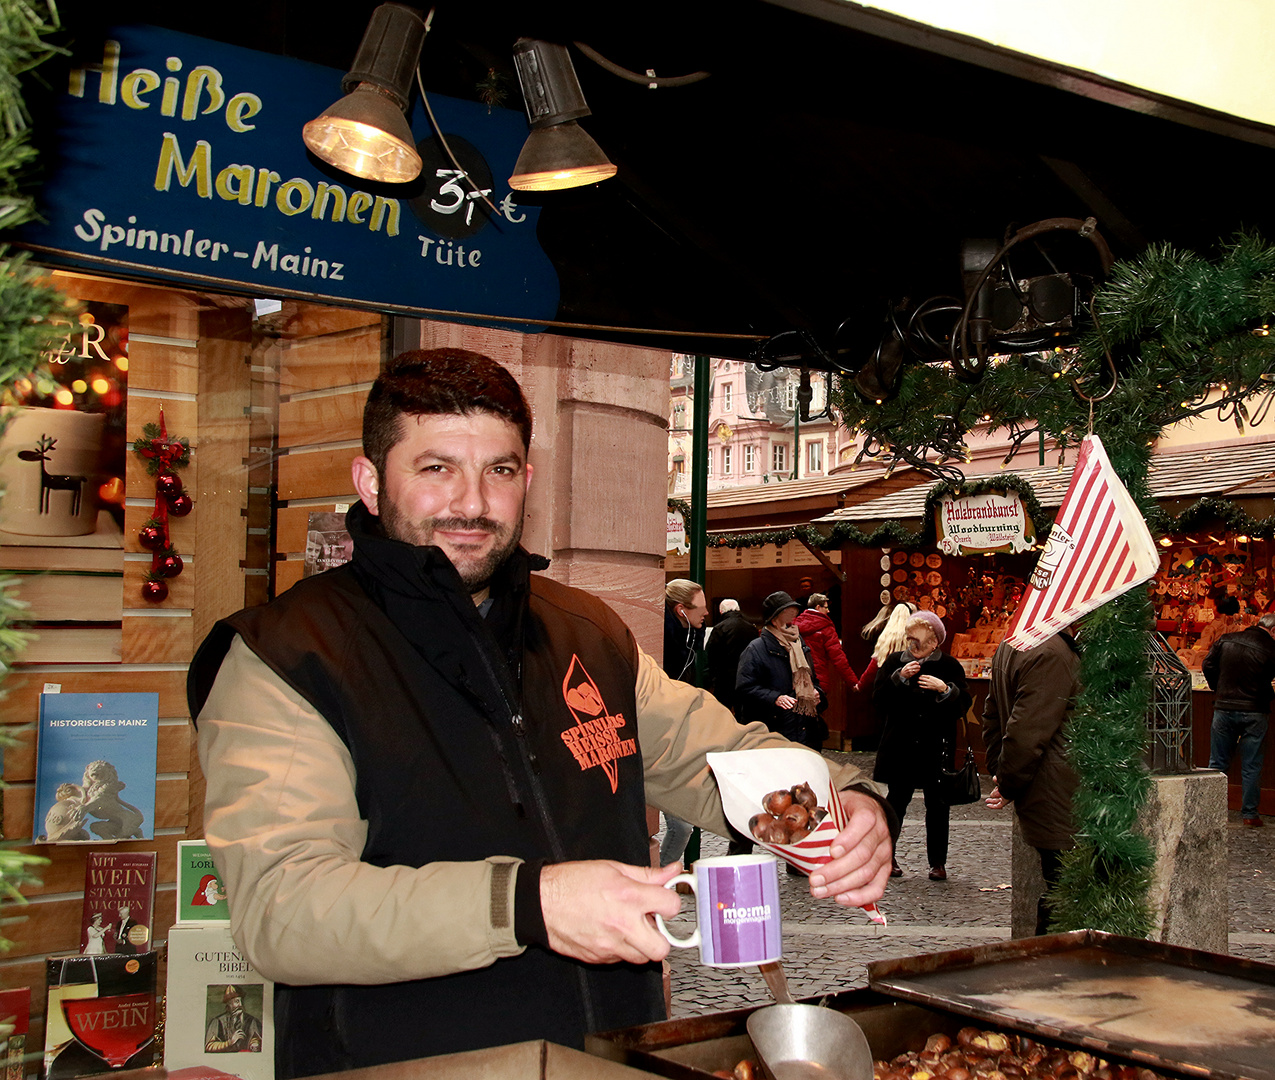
[
  {"x": 428, "y": 21},
  {"x": 650, "y": 80}
]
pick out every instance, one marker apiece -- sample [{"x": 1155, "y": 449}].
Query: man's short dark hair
[{"x": 438, "y": 382}]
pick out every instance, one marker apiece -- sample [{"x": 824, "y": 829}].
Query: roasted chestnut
[
  {"x": 777, "y": 832},
  {"x": 938, "y": 1043},
  {"x": 804, "y": 795},
  {"x": 777, "y": 802},
  {"x": 795, "y": 817},
  {"x": 747, "y": 1070}
]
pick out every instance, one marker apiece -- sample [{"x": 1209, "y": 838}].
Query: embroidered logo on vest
[{"x": 595, "y": 740}]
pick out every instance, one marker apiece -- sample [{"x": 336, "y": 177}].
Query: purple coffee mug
[{"x": 737, "y": 911}]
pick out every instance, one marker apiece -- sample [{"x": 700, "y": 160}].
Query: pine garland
[
  {"x": 27, "y": 305},
  {"x": 1207, "y": 513}
]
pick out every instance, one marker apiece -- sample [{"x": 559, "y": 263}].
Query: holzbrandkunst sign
[{"x": 992, "y": 521}]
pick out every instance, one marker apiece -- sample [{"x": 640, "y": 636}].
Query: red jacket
[{"x": 826, "y": 653}]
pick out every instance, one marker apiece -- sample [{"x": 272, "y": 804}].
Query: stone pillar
[
  {"x": 599, "y": 451},
  {"x": 1028, "y": 885},
  {"x": 1185, "y": 819}
]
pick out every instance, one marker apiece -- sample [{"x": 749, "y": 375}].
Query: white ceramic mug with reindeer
[{"x": 50, "y": 467}]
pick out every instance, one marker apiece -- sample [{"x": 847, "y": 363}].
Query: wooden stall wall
[
  {"x": 322, "y": 367},
  {"x": 188, "y": 356}
]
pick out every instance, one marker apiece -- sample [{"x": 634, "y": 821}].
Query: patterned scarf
[{"x": 803, "y": 686}]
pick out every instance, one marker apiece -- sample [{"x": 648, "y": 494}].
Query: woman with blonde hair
[{"x": 888, "y": 626}]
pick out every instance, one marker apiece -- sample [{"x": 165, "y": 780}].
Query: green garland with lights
[
  {"x": 1184, "y": 336},
  {"x": 26, "y": 307},
  {"x": 1206, "y": 513}
]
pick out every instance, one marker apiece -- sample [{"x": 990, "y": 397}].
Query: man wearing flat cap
[{"x": 776, "y": 681}]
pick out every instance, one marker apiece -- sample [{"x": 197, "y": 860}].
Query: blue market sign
[{"x": 181, "y": 159}]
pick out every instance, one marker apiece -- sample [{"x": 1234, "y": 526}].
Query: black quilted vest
[{"x": 510, "y": 735}]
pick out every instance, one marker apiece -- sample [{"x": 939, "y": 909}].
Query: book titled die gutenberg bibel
[{"x": 95, "y": 768}]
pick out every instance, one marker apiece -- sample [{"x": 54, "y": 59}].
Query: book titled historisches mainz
[{"x": 95, "y": 768}]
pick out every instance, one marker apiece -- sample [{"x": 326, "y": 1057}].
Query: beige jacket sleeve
[
  {"x": 678, "y": 725},
  {"x": 284, "y": 829}
]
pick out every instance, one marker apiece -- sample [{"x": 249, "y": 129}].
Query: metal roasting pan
[
  {"x": 1182, "y": 1012},
  {"x": 1172, "y": 1009}
]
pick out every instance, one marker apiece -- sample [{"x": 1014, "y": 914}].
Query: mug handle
[{"x": 681, "y": 943}]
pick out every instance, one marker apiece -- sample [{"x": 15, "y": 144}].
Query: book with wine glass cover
[{"x": 101, "y": 1015}]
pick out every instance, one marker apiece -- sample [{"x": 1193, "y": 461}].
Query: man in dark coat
[
  {"x": 726, "y": 644},
  {"x": 1239, "y": 670},
  {"x": 1029, "y": 702}
]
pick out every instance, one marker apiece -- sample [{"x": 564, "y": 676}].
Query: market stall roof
[
  {"x": 795, "y": 502},
  {"x": 1220, "y": 469}
]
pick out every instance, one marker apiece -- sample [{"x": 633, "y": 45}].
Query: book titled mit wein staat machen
[
  {"x": 95, "y": 768},
  {"x": 119, "y": 899}
]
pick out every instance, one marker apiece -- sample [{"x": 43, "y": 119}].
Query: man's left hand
[{"x": 860, "y": 864}]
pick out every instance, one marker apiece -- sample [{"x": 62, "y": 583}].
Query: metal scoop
[{"x": 805, "y": 1042}]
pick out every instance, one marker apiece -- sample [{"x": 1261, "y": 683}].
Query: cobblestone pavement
[{"x": 827, "y": 948}]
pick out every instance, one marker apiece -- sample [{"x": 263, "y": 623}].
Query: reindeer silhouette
[{"x": 52, "y": 481}]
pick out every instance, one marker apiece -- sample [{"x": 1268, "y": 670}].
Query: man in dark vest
[{"x": 427, "y": 769}]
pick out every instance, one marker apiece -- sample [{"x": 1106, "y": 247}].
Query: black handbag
[{"x": 962, "y": 786}]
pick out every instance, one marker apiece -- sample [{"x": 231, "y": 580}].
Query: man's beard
[{"x": 474, "y": 570}]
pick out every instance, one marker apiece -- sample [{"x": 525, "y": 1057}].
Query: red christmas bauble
[
  {"x": 181, "y": 505},
  {"x": 154, "y": 590},
  {"x": 151, "y": 537},
  {"x": 168, "y": 484},
  {"x": 170, "y": 565}
]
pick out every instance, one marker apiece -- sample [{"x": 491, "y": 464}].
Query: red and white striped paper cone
[
  {"x": 746, "y": 777},
  {"x": 1099, "y": 548}
]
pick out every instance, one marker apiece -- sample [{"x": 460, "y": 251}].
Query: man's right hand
[
  {"x": 995, "y": 801},
  {"x": 600, "y": 911}
]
